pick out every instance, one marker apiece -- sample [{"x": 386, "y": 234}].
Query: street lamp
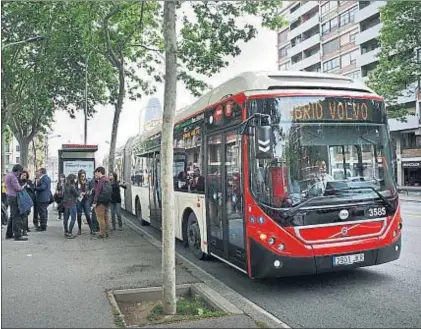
[{"x": 86, "y": 97}]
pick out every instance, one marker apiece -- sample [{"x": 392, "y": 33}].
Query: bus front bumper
[{"x": 266, "y": 264}]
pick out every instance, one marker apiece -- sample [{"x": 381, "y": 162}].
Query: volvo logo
[
  {"x": 344, "y": 231},
  {"x": 343, "y": 214}
]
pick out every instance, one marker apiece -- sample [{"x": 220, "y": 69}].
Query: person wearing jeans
[
  {"x": 116, "y": 201},
  {"x": 83, "y": 204},
  {"x": 14, "y": 225},
  {"x": 70, "y": 197}
]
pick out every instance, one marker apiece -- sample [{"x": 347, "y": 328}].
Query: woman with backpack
[
  {"x": 29, "y": 188},
  {"x": 83, "y": 204},
  {"x": 70, "y": 197},
  {"x": 58, "y": 195},
  {"x": 116, "y": 200}
]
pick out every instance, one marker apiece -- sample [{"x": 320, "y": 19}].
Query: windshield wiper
[
  {"x": 385, "y": 200},
  {"x": 293, "y": 211}
]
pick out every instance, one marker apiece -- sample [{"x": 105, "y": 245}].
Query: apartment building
[
  {"x": 12, "y": 154},
  {"x": 340, "y": 37},
  {"x": 36, "y": 154}
]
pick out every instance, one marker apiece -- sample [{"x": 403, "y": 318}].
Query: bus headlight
[
  {"x": 281, "y": 247},
  {"x": 271, "y": 240}
]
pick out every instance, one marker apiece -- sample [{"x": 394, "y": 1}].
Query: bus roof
[{"x": 270, "y": 80}]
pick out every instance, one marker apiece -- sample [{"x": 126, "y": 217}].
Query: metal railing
[{"x": 409, "y": 189}]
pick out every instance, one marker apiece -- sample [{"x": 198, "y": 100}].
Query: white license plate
[{"x": 348, "y": 259}]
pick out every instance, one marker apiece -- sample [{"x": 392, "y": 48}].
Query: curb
[{"x": 257, "y": 313}]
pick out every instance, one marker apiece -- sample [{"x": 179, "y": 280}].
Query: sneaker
[
  {"x": 70, "y": 236},
  {"x": 120, "y": 229}
]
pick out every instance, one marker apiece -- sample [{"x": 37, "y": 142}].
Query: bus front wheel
[{"x": 193, "y": 237}]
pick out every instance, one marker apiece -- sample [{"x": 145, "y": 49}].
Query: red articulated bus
[{"x": 277, "y": 174}]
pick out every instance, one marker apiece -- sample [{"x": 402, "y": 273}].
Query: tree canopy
[
  {"x": 397, "y": 69},
  {"x": 125, "y": 45},
  {"x": 48, "y": 74}
]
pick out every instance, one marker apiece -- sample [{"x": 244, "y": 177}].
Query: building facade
[
  {"x": 36, "y": 154},
  {"x": 340, "y": 37}
]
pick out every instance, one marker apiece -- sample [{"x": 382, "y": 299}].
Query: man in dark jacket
[
  {"x": 43, "y": 191},
  {"x": 14, "y": 226}
]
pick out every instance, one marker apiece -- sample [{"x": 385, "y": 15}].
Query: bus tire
[
  {"x": 193, "y": 237},
  {"x": 139, "y": 214}
]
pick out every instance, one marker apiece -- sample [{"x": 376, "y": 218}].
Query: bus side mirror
[{"x": 263, "y": 141}]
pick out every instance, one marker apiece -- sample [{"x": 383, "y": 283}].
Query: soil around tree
[{"x": 151, "y": 312}]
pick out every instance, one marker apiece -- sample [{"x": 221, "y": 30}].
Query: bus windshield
[{"x": 322, "y": 153}]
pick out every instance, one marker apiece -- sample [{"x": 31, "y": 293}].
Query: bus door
[
  {"x": 155, "y": 191},
  {"x": 223, "y": 198}
]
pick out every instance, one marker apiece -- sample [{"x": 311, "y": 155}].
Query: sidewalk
[
  {"x": 51, "y": 282},
  {"x": 411, "y": 197}
]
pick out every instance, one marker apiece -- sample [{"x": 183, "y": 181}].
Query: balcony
[
  {"x": 306, "y": 62},
  {"x": 408, "y": 95},
  {"x": 368, "y": 58},
  {"x": 369, "y": 34},
  {"x": 310, "y": 42},
  {"x": 369, "y": 11},
  {"x": 305, "y": 26},
  {"x": 304, "y": 8}
]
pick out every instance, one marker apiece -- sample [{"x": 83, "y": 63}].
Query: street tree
[
  {"x": 170, "y": 99},
  {"x": 125, "y": 29},
  {"x": 207, "y": 39},
  {"x": 41, "y": 77},
  {"x": 397, "y": 68}
]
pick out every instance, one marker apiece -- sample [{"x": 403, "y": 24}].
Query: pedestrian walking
[
  {"x": 83, "y": 203},
  {"x": 14, "y": 225},
  {"x": 102, "y": 199},
  {"x": 116, "y": 200},
  {"x": 44, "y": 197},
  {"x": 70, "y": 196}
]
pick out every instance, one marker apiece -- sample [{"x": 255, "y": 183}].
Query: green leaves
[
  {"x": 214, "y": 35},
  {"x": 397, "y": 68}
]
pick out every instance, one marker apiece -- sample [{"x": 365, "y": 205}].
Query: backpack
[
  {"x": 105, "y": 196},
  {"x": 25, "y": 202}
]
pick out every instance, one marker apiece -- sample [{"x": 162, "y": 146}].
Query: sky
[{"x": 259, "y": 54}]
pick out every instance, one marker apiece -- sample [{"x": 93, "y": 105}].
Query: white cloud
[{"x": 258, "y": 54}]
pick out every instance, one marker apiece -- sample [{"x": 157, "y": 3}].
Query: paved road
[{"x": 385, "y": 296}]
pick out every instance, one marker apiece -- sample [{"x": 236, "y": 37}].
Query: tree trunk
[
  {"x": 117, "y": 112},
  {"x": 170, "y": 95},
  {"x": 3, "y": 153},
  {"x": 24, "y": 147}
]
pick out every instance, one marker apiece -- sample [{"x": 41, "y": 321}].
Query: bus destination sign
[{"x": 337, "y": 110}]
